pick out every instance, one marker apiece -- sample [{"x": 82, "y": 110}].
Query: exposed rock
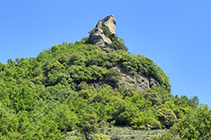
[
  {"x": 153, "y": 82},
  {"x": 140, "y": 82},
  {"x": 107, "y": 50},
  {"x": 99, "y": 38},
  {"x": 130, "y": 81},
  {"x": 109, "y": 22}
]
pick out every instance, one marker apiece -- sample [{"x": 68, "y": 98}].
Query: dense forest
[{"x": 51, "y": 95}]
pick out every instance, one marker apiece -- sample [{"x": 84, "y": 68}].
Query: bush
[
  {"x": 100, "y": 137},
  {"x": 166, "y": 117},
  {"x": 155, "y": 124},
  {"x": 88, "y": 124},
  {"x": 117, "y": 44}
]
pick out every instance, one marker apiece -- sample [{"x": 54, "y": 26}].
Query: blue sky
[{"x": 176, "y": 35}]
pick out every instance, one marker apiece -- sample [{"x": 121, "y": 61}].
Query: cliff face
[
  {"x": 140, "y": 82},
  {"x": 103, "y": 35}
]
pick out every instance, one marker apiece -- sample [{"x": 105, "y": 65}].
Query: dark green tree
[{"x": 166, "y": 117}]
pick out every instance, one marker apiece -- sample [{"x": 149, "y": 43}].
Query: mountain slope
[{"x": 52, "y": 94}]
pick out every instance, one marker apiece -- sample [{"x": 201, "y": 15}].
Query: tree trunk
[{"x": 86, "y": 135}]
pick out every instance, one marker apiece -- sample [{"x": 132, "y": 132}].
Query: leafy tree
[
  {"x": 88, "y": 124},
  {"x": 146, "y": 118},
  {"x": 196, "y": 124},
  {"x": 124, "y": 113},
  {"x": 113, "y": 76},
  {"x": 166, "y": 117},
  {"x": 118, "y": 44},
  {"x": 43, "y": 97},
  {"x": 129, "y": 92}
]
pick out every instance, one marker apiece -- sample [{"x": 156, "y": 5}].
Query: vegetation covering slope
[{"x": 49, "y": 95}]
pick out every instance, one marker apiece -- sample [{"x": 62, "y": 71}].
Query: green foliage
[
  {"x": 100, "y": 137},
  {"x": 196, "y": 124},
  {"x": 75, "y": 86},
  {"x": 88, "y": 124},
  {"x": 124, "y": 113},
  {"x": 129, "y": 92},
  {"x": 117, "y": 44},
  {"x": 106, "y": 31},
  {"x": 166, "y": 136},
  {"x": 146, "y": 118},
  {"x": 166, "y": 117}
]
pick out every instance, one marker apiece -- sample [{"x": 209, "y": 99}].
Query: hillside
[{"x": 77, "y": 87}]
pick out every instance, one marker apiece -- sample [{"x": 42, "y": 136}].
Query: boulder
[
  {"x": 98, "y": 38},
  {"x": 108, "y": 22}
]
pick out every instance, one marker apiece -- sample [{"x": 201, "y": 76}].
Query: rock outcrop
[
  {"x": 130, "y": 81},
  {"x": 108, "y": 22},
  {"x": 153, "y": 82},
  {"x": 139, "y": 82},
  {"x": 97, "y": 37}
]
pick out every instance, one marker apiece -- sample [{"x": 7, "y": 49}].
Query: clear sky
[{"x": 176, "y": 35}]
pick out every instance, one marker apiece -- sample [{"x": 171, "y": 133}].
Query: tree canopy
[{"x": 49, "y": 95}]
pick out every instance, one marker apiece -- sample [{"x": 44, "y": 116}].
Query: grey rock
[
  {"x": 109, "y": 22},
  {"x": 107, "y": 50},
  {"x": 130, "y": 81},
  {"x": 99, "y": 38},
  {"x": 140, "y": 82},
  {"x": 153, "y": 82}
]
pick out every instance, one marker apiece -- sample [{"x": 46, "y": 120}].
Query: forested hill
[{"x": 77, "y": 87}]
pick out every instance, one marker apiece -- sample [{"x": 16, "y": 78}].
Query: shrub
[
  {"x": 88, "y": 124},
  {"x": 166, "y": 117},
  {"x": 100, "y": 137}
]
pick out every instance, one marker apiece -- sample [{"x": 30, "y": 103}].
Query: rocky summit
[
  {"x": 103, "y": 36},
  {"x": 108, "y": 22},
  {"x": 99, "y": 37}
]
